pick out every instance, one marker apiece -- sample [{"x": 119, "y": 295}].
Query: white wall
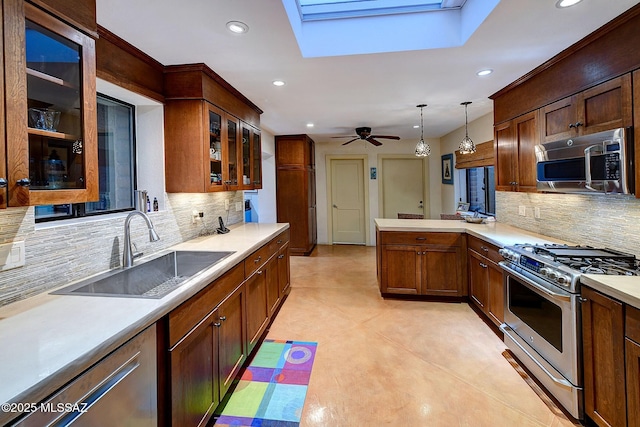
[
  {"x": 324, "y": 149},
  {"x": 263, "y": 202},
  {"x": 480, "y": 130}
]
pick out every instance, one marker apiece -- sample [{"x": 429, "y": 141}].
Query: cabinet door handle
[
  {"x": 483, "y": 265},
  {"x": 571, "y": 125},
  {"x": 484, "y": 248},
  {"x": 281, "y": 256},
  {"x": 223, "y": 318},
  {"x": 24, "y": 182},
  {"x": 583, "y": 299},
  {"x": 217, "y": 324},
  {"x": 279, "y": 242},
  {"x": 421, "y": 238},
  {"x": 578, "y": 124},
  {"x": 257, "y": 260},
  {"x": 259, "y": 271},
  {"x": 3, "y": 183}
]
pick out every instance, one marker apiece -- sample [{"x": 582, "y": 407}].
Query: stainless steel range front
[{"x": 542, "y": 319}]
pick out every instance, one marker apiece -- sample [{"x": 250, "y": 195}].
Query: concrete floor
[{"x": 398, "y": 363}]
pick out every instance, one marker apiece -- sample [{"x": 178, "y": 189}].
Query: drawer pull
[
  {"x": 257, "y": 260},
  {"x": 259, "y": 271},
  {"x": 483, "y": 265},
  {"x": 280, "y": 256},
  {"x": 484, "y": 248},
  {"x": 279, "y": 242},
  {"x": 421, "y": 238}
]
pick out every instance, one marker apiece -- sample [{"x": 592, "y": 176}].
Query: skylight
[
  {"x": 351, "y": 27},
  {"x": 332, "y": 9}
]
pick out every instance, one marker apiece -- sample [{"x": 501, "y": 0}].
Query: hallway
[{"x": 394, "y": 362}]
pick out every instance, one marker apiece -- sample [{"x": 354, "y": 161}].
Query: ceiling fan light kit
[
  {"x": 467, "y": 146},
  {"x": 423, "y": 149}
]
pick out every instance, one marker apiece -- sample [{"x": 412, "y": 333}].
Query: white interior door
[
  {"x": 403, "y": 186},
  {"x": 348, "y": 201}
]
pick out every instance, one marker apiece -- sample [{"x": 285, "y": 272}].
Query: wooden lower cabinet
[
  {"x": 210, "y": 336},
  {"x": 422, "y": 263},
  {"x": 204, "y": 363},
  {"x": 604, "y": 361},
  {"x": 632, "y": 349},
  {"x": 486, "y": 286},
  {"x": 257, "y": 306}
]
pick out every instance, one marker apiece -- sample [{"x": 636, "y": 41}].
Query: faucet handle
[{"x": 135, "y": 253}]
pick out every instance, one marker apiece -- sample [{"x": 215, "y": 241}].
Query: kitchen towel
[{"x": 272, "y": 389}]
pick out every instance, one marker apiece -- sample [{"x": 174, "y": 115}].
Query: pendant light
[
  {"x": 466, "y": 146},
  {"x": 422, "y": 148}
]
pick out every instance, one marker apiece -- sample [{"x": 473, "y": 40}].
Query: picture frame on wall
[{"x": 447, "y": 168}]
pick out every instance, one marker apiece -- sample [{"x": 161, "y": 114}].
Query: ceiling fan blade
[
  {"x": 349, "y": 142},
  {"x": 346, "y": 136},
  {"x": 385, "y": 136},
  {"x": 374, "y": 142}
]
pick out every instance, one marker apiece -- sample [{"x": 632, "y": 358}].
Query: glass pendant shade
[
  {"x": 423, "y": 149},
  {"x": 467, "y": 146}
]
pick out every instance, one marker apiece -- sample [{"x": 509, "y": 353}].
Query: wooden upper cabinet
[
  {"x": 206, "y": 125},
  {"x": 80, "y": 14},
  {"x": 51, "y": 118},
  {"x": 515, "y": 159},
  {"x": 251, "y": 159},
  {"x": 602, "y": 107}
]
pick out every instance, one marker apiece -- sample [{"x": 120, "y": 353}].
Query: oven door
[
  {"x": 546, "y": 318},
  {"x": 542, "y": 328}
]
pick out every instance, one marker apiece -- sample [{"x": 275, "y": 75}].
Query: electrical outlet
[
  {"x": 201, "y": 214},
  {"x": 194, "y": 216},
  {"x": 226, "y": 204},
  {"x": 536, "y": 212},
  {"x": 522, "y": 210},
  {"x": 12, "y": 255},
  {"x": 239, "y": 206}
]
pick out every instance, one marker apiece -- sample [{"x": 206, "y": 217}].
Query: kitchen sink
[{"x": 151, "y": 279}]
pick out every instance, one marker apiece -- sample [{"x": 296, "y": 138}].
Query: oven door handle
[
  {"x": 561, "y": 381},
  {"x": 554, "y": 295}
]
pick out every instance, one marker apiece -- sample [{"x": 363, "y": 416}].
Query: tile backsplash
[
  {"x": 597, "y": 220},
  {"x": 59, "y": 253}
]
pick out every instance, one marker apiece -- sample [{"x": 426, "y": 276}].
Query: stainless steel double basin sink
[{"x": 154, "y": 278}]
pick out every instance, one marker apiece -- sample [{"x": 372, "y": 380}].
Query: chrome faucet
[{"x": 128, "y": 255}]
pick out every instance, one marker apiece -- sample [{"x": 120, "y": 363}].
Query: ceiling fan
[{"x": 365, "y": 133}]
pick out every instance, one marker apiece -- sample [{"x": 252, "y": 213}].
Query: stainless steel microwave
[{"x": 598, "y": 163}]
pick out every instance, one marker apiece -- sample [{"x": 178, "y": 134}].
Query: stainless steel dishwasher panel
[{"x": 120, "y": 390}]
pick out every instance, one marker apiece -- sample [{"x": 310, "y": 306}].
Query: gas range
[{"x": 562, "y": 265}]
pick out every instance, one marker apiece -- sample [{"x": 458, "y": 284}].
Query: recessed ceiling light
[
  {"x": 278, "y": 83},
  {"x": 309, "y": 125},
  {"x": 485, "y": 72},
  {"x": 237, "y": 27},
  {"x": 566, "y": 3}
]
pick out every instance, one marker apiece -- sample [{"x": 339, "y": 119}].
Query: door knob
[{"x": 335, "y": 206}]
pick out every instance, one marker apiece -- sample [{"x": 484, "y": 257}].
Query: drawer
[
  {"x": 196, "y": 308},
  {"x": 632, "y": 323},
  {"x": 485, "y": 249},
  {"x": 420, "y": 238},
  {"x": 257, "y": 259},
  {"x": 278, "y": 242}
]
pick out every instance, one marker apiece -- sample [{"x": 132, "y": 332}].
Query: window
[
  {"x": 116, "y": 165},
  {"x": 481, "y": 191}
]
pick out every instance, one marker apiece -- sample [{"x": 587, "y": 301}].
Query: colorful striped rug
[{"x": 272, "y": 389}]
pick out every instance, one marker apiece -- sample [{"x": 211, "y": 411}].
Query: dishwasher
[{"x": 120, "y": 390}]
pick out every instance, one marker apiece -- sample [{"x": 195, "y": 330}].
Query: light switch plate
[
  {"x": 536, "y": 212},
  {"x": 12, "y": 255},
  {"x": 226, "y": 204},
  {"x": 522, "y": 210}
]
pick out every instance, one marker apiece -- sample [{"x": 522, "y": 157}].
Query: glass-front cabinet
[
  {"x": 51, "y": 112},
  {"x": 233, "y": 149},
  {"x": 251, "y": 158},
  {"x": 215, "y": 149}
]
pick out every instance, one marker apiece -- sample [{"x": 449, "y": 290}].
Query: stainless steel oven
[
  {"x": 542, "y": 318},
  {"x": 542, "y": 328}
]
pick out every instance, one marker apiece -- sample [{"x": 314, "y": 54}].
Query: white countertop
[
  {"x": 48, "y": 339},
  {"x": 623, "y": 288}
]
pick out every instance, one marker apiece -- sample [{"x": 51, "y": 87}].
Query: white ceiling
[{"x": 340, "y": 93}]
